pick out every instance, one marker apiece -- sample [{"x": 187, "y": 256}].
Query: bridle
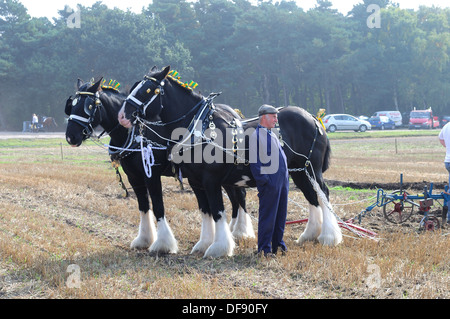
[
  {"x": 92, "y": 104},
  {"x": 146, "y": 87},
  {"x": 151, "y": 84}
]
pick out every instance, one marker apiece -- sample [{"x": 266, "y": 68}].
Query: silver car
[{"x": 335, "y": 122}]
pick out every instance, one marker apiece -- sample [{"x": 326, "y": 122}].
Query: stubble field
[{"x": 65, "y": 232}]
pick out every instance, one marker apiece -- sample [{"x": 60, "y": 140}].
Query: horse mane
[
  {"x": 189, "y": 91},
  {"x": 175, "y": 80}
]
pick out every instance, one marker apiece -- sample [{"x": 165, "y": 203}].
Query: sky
[{"x": 51, "y": 7}]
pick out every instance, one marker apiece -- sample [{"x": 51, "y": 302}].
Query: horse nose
[
  {"x": 71, "y": 141},
  {"x": 123, "y": 120}
]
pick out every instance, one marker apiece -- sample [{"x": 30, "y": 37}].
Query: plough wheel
[
  {"x": 431, "y": 224},
  {"x": 398, "y": 211}
]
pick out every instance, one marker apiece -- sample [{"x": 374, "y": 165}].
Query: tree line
[{"x": 274, "y": 52}]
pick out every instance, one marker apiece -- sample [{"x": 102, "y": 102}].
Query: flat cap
[{"x": 267, "y": 109}]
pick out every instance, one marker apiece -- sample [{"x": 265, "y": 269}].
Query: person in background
[
  {"x": 34, "y": 123},
  {"x": 444, "y": 138},
  {"x": 268, "y": 165}
]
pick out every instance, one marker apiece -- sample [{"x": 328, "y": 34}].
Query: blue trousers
[
  {"x": 273, "y": 201},
  {"x": 447, "y": 166},
  {"x": 447, "y": 203}
]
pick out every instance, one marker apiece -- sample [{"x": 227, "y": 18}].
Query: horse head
[
  {"x": 142, "y": 96},
  {"x": 83, "y": 112}
]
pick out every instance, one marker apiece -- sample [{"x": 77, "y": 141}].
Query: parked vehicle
[
  {"x": 382, "y": 123},
  {"x": 444, "y": 120},
  {"x": 419, "y": 119},
  {"x": 395, "y": 116},
  {"x": 335, "y": 122}
]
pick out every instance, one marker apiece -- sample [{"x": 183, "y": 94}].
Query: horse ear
[
  {"x": 96, "y": 87},
  {"x": 79, "y": 83},
  {"x": 154, "y": 69},
  {"x": 68, "y": 108},
  {"x": 165, "y": 71}
]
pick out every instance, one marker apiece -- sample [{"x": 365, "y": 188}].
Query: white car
[
  {"x": 395, "y": 116},
  {"x": 341, "y": 122}
]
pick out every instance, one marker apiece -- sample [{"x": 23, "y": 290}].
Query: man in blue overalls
[{"x": 269, "y": 168}]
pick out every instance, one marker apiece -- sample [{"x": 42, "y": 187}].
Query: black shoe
[{"x": 264, "y": 254}]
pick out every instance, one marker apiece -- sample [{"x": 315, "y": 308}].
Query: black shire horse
[
  {"x": 96, "y": 106},
  {"x": 200, "y": 132}
]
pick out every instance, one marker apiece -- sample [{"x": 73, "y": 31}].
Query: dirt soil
[{"x": 54, "y": 213}]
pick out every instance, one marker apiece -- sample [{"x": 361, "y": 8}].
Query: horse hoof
[
  {"x": 218, "y": 250},
  {"x": 140, "y": 243},
  {"x": 328, "y": 240},
  {"x": 304, "y": 239},
  {"x": 200, "y": 248},
  {"x": 160, "y": 247}
]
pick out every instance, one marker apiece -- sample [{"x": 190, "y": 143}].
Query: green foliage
[{"x": 273, "y": 52}]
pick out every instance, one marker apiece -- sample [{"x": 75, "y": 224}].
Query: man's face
[{"x": 269, "y": 120}]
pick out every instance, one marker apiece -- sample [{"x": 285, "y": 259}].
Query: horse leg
[
  {"x": 241, "y": 223},
  {"x": 231, "y": 192},
  {"x": 223, "y": 244},
  {"x": 314, "y": 225},
  {"x": 331, "y": 234},
  {"x": 147, "y": 231},
  {"x": 207, "y": 231},
  {"x": 166, "y": 242}
]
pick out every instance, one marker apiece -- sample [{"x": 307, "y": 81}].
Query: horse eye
[{"x": 74, "y": 102}]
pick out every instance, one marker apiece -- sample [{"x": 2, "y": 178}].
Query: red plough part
[{"x": 346, "y": 225}]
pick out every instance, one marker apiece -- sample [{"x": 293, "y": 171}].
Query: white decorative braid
[{"x": 148, "y": 159}]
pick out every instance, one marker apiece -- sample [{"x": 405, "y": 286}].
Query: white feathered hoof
[
  {"x": 313, "y": 227},
  {"x": 140, "y": 243},
  {"x": 201, "y": 247},
  {"x": 223, "y": 244},
  {"x": 147, "y": 232},
  {"x": 331, "y": 234},
  {"x": 217, "y": 250},
  {"x": 166, "y": 242},
  {"x": 242, "y": 226},
  {"x": 206, "y": 235},
  {"x": 306, "y": 237},
  {"x": 331, "y": 237}
]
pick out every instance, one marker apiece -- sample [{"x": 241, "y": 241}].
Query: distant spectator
[{"x": 34, "y": 123}]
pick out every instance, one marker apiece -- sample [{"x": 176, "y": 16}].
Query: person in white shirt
[
  {"x": 34, "y": 123},
  {"x": 444, "y": 138}
]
